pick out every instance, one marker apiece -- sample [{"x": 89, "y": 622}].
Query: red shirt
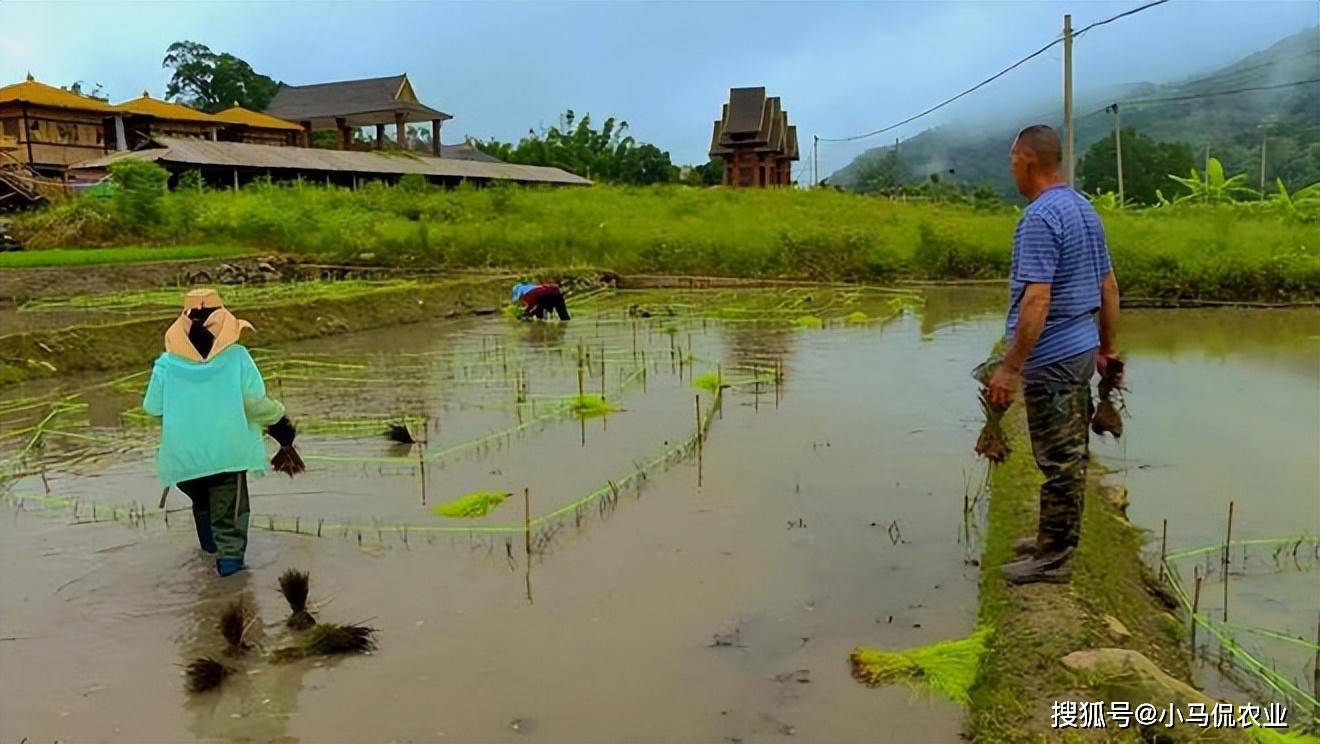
[{"x": 533, "y": 296}]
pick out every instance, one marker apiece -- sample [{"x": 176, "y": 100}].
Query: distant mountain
[{"x": 1231, "y": 125}]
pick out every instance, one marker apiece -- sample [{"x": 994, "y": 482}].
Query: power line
[
  {"x": 1225, "y": 92},
  {"x": 1212, "y": 94},
  {"x": 992, "y": 78},
  {"x": 1124, "y": 14},
  {"x": 951, "y": 99}
]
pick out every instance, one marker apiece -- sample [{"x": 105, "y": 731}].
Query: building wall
[
  {"x": 58, "y": 137},
  {"x": 750, "y": 169},
  {"x": 265, "y": 137}
]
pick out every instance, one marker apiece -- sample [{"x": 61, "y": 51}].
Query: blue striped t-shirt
[{"x": 1059, "y": 241}]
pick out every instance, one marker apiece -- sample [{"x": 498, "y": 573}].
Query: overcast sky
[{"x": 502, "y": 68}]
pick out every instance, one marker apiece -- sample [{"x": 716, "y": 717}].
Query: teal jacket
[{"x": 212, "y": 414}]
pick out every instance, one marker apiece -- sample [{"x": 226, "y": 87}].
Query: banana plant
[
  {"x": 1214, "y": 188},
  {"x": 1302, "y": 204},
  {"x": 1107, "y": 200}
]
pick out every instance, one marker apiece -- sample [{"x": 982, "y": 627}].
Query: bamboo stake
[
  {"x": 1196, "y": 604},
  {"x": 700, "y": 441},
  {"x": 1316, "y": 674},
  {"x": 580, "y": 391},
  {"x": 1164, "y": 547},
  {"x": 1228, "y": 540},
  {"x": 421, "y": 466},
  {"x": 719, "y": 387},
  {"x": 527, "y": 523}
]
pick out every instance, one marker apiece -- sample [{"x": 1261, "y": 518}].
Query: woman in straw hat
[{"x": 213, "y": 406}]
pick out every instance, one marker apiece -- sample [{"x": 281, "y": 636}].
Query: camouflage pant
[
  {"x": 1057, "y": 417},
  {"x": 223, "y": 499}
]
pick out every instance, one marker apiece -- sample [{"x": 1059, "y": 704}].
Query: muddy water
[
  {"x": 828, "y": 514},
  {"x": 1225, "y": 407}
]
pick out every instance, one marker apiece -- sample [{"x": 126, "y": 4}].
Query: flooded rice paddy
[{"x": 676, "y": 590}]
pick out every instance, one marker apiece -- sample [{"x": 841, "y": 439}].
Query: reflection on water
[{"x": 786, "y": 545}]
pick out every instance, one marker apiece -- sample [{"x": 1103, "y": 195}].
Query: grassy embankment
[
  {"x": 1187, "y": 252},
  {"x": 1035, "y": 626},
  {"x": 62, "y": 257}
]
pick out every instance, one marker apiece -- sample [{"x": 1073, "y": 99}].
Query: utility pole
[
  {"x": 1118, "y": 150},
  {"x": 1262, "y": 167},
  {"x": 815, "y": 160},
  {"x": 1070, "y": 165}
]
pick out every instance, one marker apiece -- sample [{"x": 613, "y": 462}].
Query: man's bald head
[
  {"x": 1035, "y": 159},
  {"x": 1043, "y": 143}
]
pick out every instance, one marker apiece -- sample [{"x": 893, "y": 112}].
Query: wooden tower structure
[{"x": 755, "y": 140}]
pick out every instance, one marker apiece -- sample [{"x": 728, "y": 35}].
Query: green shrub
[
  {"x": 1228, "y": 251},
  {"x": 141, "y": 188}
]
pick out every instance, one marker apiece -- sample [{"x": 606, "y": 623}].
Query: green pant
[
  {"x": 225, "y": 497},
  {"x": 1057, "y": 416}
]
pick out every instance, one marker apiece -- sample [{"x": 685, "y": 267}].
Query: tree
[
  {"x": 1147, "y": 164},
  {"x": 710, "y": 173},
  {"x": 604, "y": 154},
  {"x": 213, "y": 81}
]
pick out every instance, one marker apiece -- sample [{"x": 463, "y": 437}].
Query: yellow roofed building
[
  {"x": 50, "y": 128},
  {"x": 243, "y": 125},
  {"x": 146, "y": 117}
]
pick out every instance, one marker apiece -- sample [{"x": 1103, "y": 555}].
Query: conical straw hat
[{"x": 222, "y": 324}]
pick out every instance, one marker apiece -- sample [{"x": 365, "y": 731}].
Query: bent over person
[
  {"x": 1061, "y": 328},
  {"x": 539, "y": 300},
  {"x": 213, "y": 407}
]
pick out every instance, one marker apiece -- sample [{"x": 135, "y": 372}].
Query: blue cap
[{"x": 521, "y": 289}]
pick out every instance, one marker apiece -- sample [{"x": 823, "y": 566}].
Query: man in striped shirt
[{"x": 1061, "y": 329}]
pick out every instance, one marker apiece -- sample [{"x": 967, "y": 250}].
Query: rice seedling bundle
[
  {"x": 590, "y": 406},
  {"x": 294, "y": 586},
  {"x": 992, "y": 444},
  {"x": 233, "y": 626},
  {"x": 946, "y": 667},
  {"x": 710, "y": 382},
  {"x": 475, "y": 504},
  {"x": 205, "y": 674},
  {"x": 328, "y": 639},
  {"x": 1108, "y": 418}
]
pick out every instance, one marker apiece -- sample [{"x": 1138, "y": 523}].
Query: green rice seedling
[
  {"x": 810, "y": 322},
  {"x": 857, "y": 318},
  {"x": 946, "y": 667},
  {"x": 591, "y": 406},
  {"x": 328, "y": 639},
  {"x": 294, "y": 587},
  {"x": 475, "y": 504},
  {"x": 711, "y": 382},
  {"x": 205, "y": 674}
]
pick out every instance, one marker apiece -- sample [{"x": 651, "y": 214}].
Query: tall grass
[{"x": 1203, "y": 252}]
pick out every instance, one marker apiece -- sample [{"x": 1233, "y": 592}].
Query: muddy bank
[
  {"x": 21, "y": 285},
  {"x": 46, "y": 353},
  {"x": 1110, "y": 603}
]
